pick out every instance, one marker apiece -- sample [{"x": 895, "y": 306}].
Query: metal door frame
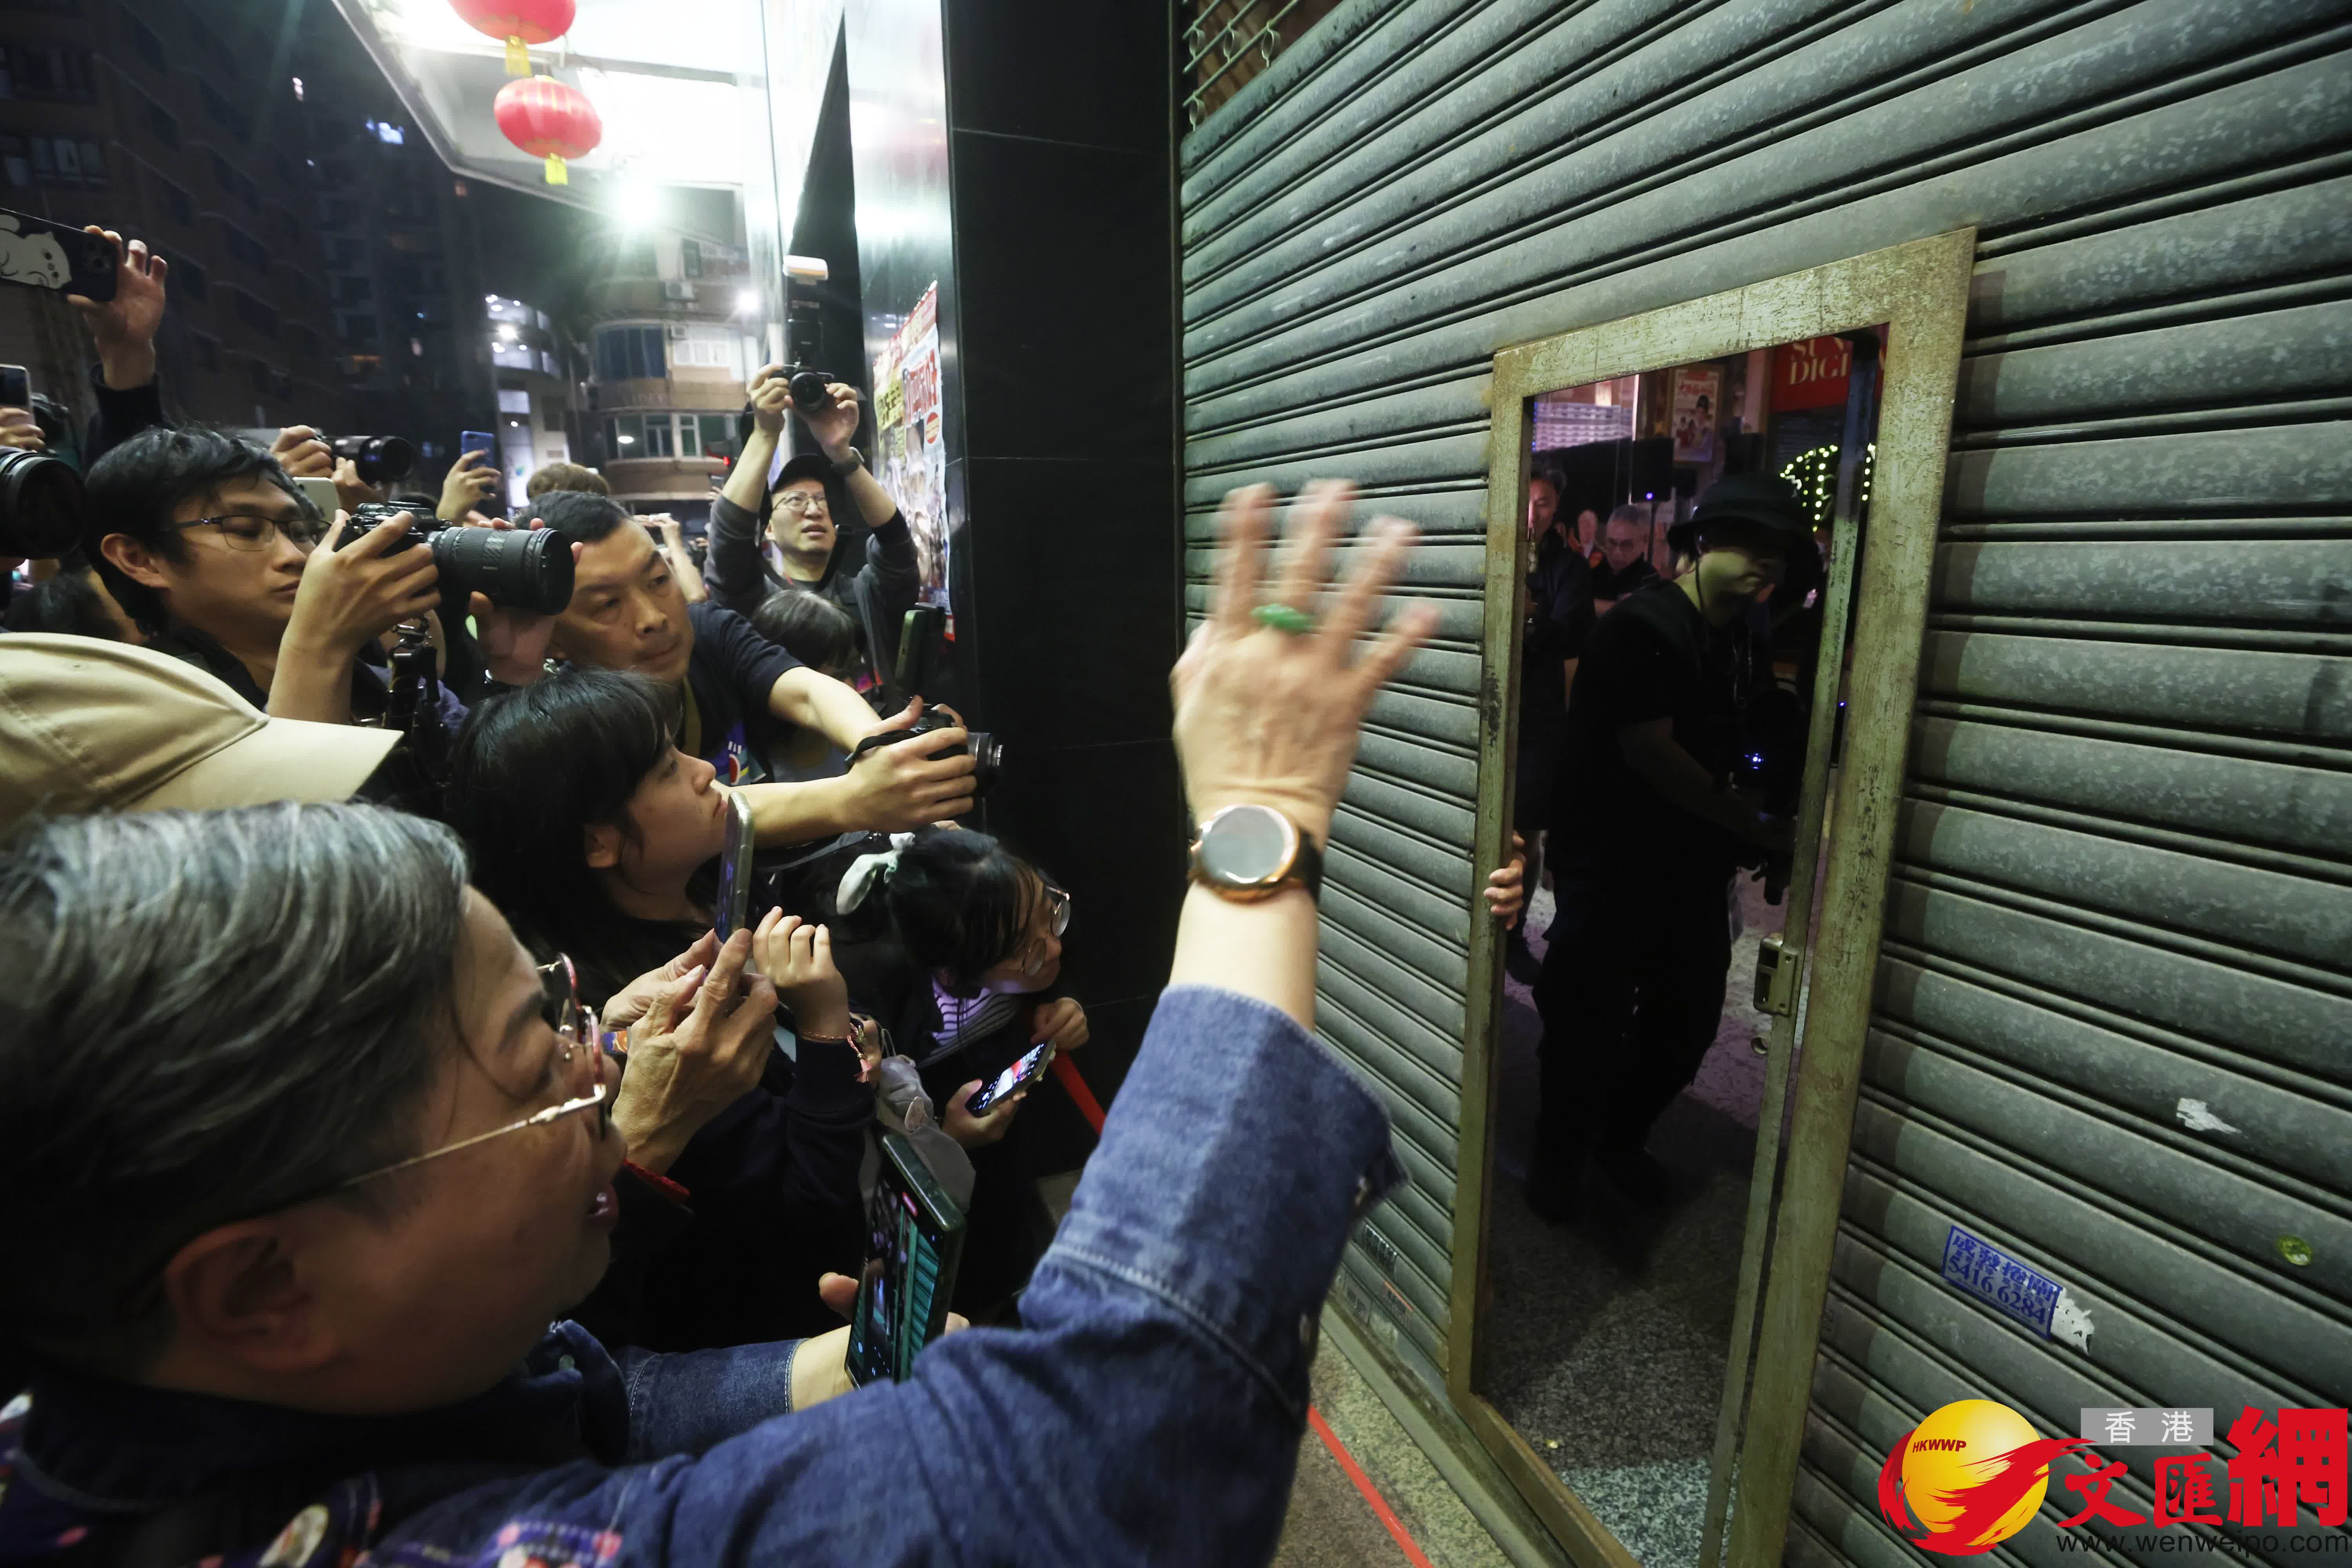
[{"x": 1921, "y": 290}]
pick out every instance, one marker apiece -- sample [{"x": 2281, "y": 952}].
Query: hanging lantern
[
  {"x": 519, "y": 22},
  {"x": 549, "y": 120}
]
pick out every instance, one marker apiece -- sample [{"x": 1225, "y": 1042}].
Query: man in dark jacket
[{"x": 798, "y": 515}]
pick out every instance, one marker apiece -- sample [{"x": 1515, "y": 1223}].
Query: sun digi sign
[
  {"x": 1811, "y": 374},
  {"x": 1971, "y": 1475}
]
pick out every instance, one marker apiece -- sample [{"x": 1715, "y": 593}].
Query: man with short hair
[
  {"x": 878, "y": 590},
  {"x": 1648, "y": 830},
  {"x": 209, "y": 547},
  {"x": 1559, "y": 616},
  {"x": 627, "y": 611},
  {"x": 564, "y": 477},
  {"x": 1624, "y": 557}
]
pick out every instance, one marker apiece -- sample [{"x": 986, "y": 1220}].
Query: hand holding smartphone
[
  {"x": 58, "y": 256},
  {"x": 734, "y": 903},
  {"x": 1019, "y": 1075}
]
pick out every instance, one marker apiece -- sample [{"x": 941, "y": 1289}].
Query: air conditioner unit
[
  {"x": 676, "y": 289},
  {"x": 678, "y": 331}
]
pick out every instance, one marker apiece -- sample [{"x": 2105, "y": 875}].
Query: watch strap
[{"x": 849, "y": 465}]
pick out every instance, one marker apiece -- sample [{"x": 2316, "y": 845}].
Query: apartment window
[
  {"x": 357, "y": 331},
  {"x": 623, "y": 352},
  {"x": 254, "y": 313},
  {"x": 143, "y": 41},
  {"x": 175, "y": 200},
  {"x": 44, "y": 70},
  {"x": 353, "y": 289},
  {"x": 718, "y": 434},
  {"x": 689, "y": 436},
  {"x": 207, "y": 348},
  {"x": 158, "y": 122},
  {"x": 246, "y": 248},
  {"x": 52, "y": 160},
  {"x": 225, "y": 114},
  {"x": 689, "y": 255},
  {"x": 551, "y": 416},
  {"x": 188, "y": 279}
]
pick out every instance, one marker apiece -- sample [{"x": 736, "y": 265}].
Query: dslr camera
[
  {"x": 987, "y": 752},
  {"x": 40, "y": 504},
  {"x": 380, "y": 459},
  {"x": 804, "y": 342},
  {"x": 516, "y": 569}
]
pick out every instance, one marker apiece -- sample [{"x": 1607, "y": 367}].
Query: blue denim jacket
[{"x": 1148, "y": 1412}]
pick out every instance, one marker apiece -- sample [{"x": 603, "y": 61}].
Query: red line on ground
[
  {"x": 1091, "y": 1108},
  {"x": 1380, "y": 1509}
]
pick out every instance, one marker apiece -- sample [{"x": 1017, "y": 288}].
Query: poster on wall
[
  {"x": 910, "y": 457},
  {"x": 1697, "y": 401}
]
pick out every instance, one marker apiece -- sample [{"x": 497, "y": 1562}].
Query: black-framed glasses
[
  {"x": 1057, "y": 920},
  {"x": 257, "y": 531},
  {"x": 801, "y": 505},
  {"x": 581, "y": 1058}
]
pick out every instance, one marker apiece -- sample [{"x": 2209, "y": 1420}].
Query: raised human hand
[{"x": 1270, "y": 717}]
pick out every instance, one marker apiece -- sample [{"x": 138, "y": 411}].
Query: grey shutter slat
[{"x": 2115, "y": 1028}]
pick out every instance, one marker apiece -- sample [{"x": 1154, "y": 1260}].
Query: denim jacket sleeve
[
  {"x": 1149, "y": 1410},
  {"x": 733, "y": 571}
]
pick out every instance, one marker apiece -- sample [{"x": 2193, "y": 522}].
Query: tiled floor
[
  {"x": 1606, "y": 1340},
  {"x": 1332, "y": 1526}
]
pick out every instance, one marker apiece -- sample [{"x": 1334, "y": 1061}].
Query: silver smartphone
[{"x": 734, "y": 904}]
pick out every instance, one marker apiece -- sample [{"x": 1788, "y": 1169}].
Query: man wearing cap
[
  {"x": 1647, "y": 832},
  {"x": 87, "y": 725},
  {"x": 878, "y": 591}
]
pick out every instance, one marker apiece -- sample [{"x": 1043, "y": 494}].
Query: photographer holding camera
[
  {"x": 799, "y": 518},
  {"x": 329, "y": 1153},
  {"x": 1648, "y": 830},
  {"x": 210, "y": 548},
  {"x": 736, "y": 690}
]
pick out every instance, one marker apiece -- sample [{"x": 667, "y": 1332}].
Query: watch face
[{"x": 1246, "y": 845}]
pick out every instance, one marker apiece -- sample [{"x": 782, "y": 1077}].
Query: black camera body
[
  {"x": 518, "y": 569},
  {"x": 380, "y": 459},
  {"x": 808, "y": 386},
  {"x": 40, "y": 504},
  {"x": 987, "y": 752}
]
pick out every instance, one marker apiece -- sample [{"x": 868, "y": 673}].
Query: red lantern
[
  {"x": 519, "y": 22},
  {"x": 549, "y": 120}
]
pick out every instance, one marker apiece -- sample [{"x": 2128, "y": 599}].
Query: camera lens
[
  {"x": 515, "y": 569},
  {"x": 807, "y": 388},
  {"x": 40, "y": 505},
  {"x": 987, "y": 757},
  {"x": 379, "y": 458}
]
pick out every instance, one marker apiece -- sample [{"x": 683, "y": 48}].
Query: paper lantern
[
  {"x": 549, "y": 120},
  {"x": 519, "y": 23}
]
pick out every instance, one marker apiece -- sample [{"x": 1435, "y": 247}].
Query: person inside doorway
[
  {"x": 1558, "y": 613},
  {"x": 1624, "y": 557},
  {"x": 1648, "y": 830}
]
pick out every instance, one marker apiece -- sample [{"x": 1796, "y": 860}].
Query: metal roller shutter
[{"x": 2121, "y": 913}]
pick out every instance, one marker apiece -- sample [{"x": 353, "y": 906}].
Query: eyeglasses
[
  {"x": 582, "y": 1055},
  {"x": 1057, "y": 918},
  {"x": 800, "y": 505},
  {"x": 254, "y": 530}
]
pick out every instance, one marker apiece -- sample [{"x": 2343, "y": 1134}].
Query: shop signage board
[
  {"x": 910, "y": 456},
  {"x": 1809, "y": 374}
]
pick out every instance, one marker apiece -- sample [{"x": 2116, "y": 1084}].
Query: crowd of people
[{"x": 401, "y": 1158}]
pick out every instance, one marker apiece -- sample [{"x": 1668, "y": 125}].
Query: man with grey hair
[{"x": 1625, "y": 557}]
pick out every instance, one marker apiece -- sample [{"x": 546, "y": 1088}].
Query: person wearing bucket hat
[
  {"x": 88, "y": 725},
  {"x": 1632, "y": 986}
]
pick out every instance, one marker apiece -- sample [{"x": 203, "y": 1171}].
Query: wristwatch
[
  {"x": 847, "y": 466},
  {"x": 1250, "y": 852}
]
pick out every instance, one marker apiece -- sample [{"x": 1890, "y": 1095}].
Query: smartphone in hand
[
  {"x": 734, "y": 906},
  {"x": 1019, "y": 1075},
  {"x": 16, "y": 386},
  {"x": 58, "y": 256}
]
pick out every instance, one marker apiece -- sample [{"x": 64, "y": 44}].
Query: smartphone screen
[
  {"x": 915, "y": 1238},
  {"x": 734, "y": 902},
  {"x": 1023, "y": 1071},
  {"x": 16, "y": 386}
]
